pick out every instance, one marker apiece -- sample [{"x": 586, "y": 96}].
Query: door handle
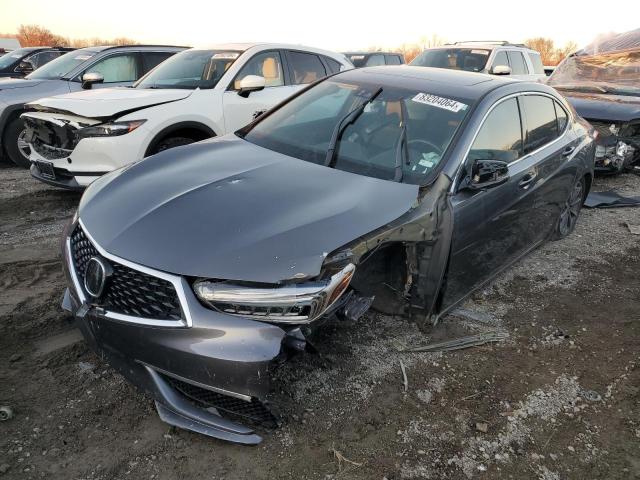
[
  {"x": 568, "y": 151},
  {"x": 528, "y": 179}
]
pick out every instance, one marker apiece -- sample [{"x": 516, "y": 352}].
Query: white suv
[
  {"x": 196, "y": 94},
  {"x": 497, "y": 58}
]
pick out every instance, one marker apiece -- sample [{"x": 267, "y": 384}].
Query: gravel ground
[{"x": 558, "y": 399}]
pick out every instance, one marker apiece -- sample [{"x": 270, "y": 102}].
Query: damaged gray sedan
[{"x": 198, "y": 271}]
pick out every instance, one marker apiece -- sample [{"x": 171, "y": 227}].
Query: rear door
[
  {"x": 549, "y": 145},
  {"x": 238, "y": 110},
  {"x": 492, "y": 227}
]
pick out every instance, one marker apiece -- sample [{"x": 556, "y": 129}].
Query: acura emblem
[{"x": 95, "y": 276}]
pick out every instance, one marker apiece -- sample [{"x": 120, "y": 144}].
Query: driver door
[
  {"x": 239, "y": 110},
  {"x": 494, "y": 226},
  {"x": 119, "y": 70}
]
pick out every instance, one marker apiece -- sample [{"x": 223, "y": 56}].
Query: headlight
[
  {"x": 108, "y": 129},
  {"x": 299, "y": 303}
]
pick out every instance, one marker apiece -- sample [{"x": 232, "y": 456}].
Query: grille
[
  {"x": 49, "y": 152},
  {"x": 254, "y": 411},
  {"x": 128, "y": 291}
]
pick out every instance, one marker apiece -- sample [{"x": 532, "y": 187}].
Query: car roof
[
  {"x": 372, "y": 53},
  {"x": 265, "y": 45},
  {"x": 485, "y": 45},
  {"x": 468, "y": 84}
]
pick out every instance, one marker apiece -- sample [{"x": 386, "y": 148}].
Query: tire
[
  {"x": 171, "y": 142},
  {"x": 570, "y": 211},
  {"x": 17, "y": 150}
]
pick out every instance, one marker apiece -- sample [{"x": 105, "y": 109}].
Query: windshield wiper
[{"x": 347, "y": 120}]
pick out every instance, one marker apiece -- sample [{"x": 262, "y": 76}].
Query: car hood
[
  {"x": 11, "y": 83},
  {"x": 104, "y": 103},
  {"x": 228, "y": 209},
  {"x": 603, "y": 106}
]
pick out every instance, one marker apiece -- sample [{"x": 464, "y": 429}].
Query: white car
[
  {"x": 196, "y": 94},
  {"x": 492, "y": 57}
]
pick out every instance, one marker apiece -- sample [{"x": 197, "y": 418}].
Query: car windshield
[
  {"x": 62, "y": 65},
  {"x": 190, "y": 69},
  {"x": 614, "y": 72},
  {"x": 399, "y": 135},
  {"x": 10, "y": 58},
  {"x": 469, "y": 59}
]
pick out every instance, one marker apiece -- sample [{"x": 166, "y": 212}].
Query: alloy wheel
[
  {"x": 23, "y": 146},
  {"x": 571, "y": 210}
]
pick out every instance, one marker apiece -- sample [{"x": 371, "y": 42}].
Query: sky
[{"x": 332, "y": 24}]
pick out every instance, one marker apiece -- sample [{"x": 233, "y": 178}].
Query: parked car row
[{"x": 21, "y": 62}]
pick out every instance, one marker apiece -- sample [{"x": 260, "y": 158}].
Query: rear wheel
[
  {"x": 570, "y": 211},
  {"x": 15, "y": 145},
  {"x": 171, "y": 142}
]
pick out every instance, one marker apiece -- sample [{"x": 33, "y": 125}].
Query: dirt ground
[{"x": 559, "y": 399}]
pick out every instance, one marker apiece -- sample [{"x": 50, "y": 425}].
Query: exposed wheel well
[
  {"x": 383, "y": 273},
  {"x": 10, "y": 118},
  {"x": 195, "y": 131}
]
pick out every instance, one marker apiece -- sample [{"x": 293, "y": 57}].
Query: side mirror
[
  {"x": 88, "y": 79},
  {"x": 24, "y": 67},
  {"x": 501, "y": 70},
  {"x": 488, "y": 174},
  {"x": 250, "y": 83}
]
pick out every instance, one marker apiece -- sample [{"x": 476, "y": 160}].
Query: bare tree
[
  {"x": 550, "y": 54},
  {"x": 35, "y": 35}
]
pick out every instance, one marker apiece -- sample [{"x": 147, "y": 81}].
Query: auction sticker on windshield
[{"x": 440, "y": 102}]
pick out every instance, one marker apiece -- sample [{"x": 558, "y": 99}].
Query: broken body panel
[{"x": 231, "y": 211}]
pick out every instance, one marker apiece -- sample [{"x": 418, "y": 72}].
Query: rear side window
[
  {"x": 43, "y": 58},
  {"x": 537, "y": 63},
  {"x": 151, "y": 60},
  {"x": 541, "y": 123},
  {"x": 306, "y": 67},
  {"x": 561, "y": 115},
  {"x": 500, "y": 136},
  {"x": 375, "y": 60},
  {"x": 518, "y": 67},
  {"x": 334, "y": 67},
  {"x": 392, "y": 59},
  {"x": 501, "y": 59}
]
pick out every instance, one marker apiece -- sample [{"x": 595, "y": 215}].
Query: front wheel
[
  {"x": 15, "y": 145},
  {"x": 570, "y": 211},
  {"x": 171, "y": 142}
]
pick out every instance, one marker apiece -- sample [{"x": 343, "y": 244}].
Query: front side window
[
  {"x": 500, "y": 136},
  {"x": 518, "y": 67},
  {"x": 117, "y": 68},
  {"x": 190, "y": 69},
  {"x": 471, "y": 60},
  {"x": 542, "y": 126},
  {"x": 62, "y": 66},
  {"x": 500, "y": 59},
  {"x": 265, "y": 64},
  {"x": 306, "y": 67},
  {"x": 43, "y": 58},
  {"x": 400, "y": 135},
  {"x": 375, "y": 61}
]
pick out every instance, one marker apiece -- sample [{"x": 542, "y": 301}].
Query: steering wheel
[{"x": 432, "y": 146}]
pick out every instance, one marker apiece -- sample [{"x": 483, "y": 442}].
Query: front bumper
[
  {"x": 90, "y": 159},
  {"x": 203, "y": 374}
]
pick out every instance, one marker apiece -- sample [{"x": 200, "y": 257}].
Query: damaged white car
[{"x": 198, "y": 94}]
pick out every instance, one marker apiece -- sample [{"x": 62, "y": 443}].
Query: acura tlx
[{"x": 199, "y": 270}]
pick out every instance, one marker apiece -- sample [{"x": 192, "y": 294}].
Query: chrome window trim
[
  {"x": 178, "y": 283},
  {"x": 570, "y": 118},
  {"x": 221, "y": 391}
]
